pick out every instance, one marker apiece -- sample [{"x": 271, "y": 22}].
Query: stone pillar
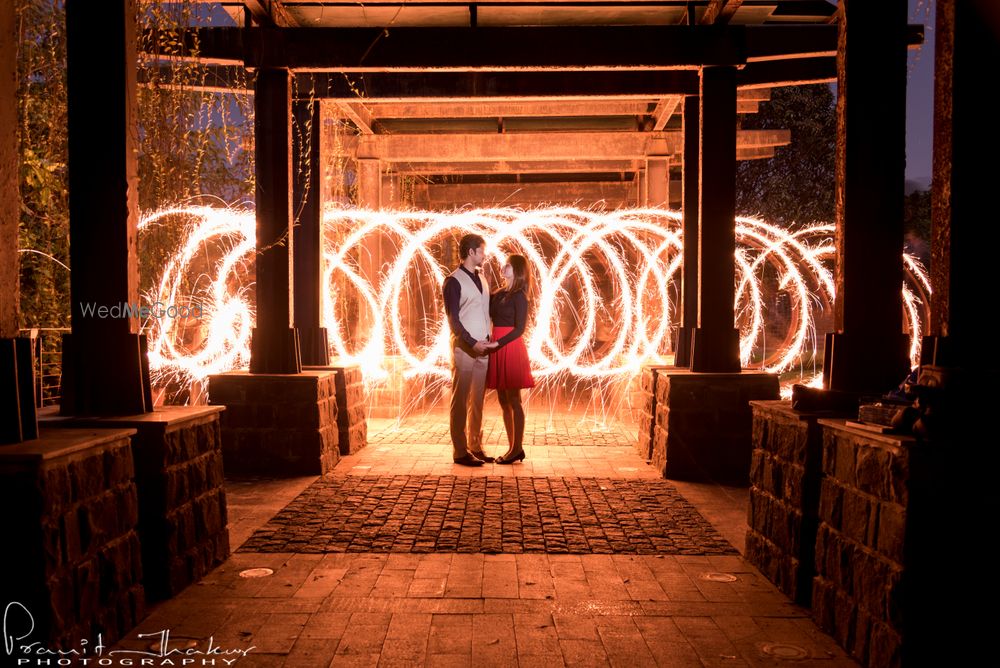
[
  {"x": 105, "y": 368},
  {"x": 69, "y": 503},
  {"x": 704, "y": 423},
  {"x": 785, "y": 474},
  {"x": 17, "y": 382},
  {"x": 691, "y": 197},
  {"x": 647, "y": 410},
  {"x": 278, "y": 424},
  {"x": 308, "y": 235},
  {"x": 716, "y": 345},
  {"x": 868, "y": 351},
  {"x": 274, "y": 347},
  {"x": 864, "y": 594},
  {"x": 177, "y": 455},
  {"x": 967, "y": 37}
]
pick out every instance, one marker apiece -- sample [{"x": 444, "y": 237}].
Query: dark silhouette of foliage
[{"x": 797, "y": 184}]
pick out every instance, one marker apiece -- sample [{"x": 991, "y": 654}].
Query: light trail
[{"x": 606, "y": 283}]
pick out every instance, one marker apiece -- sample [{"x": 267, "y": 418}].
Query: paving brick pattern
[
  {"x": 385, "y": 609},
  {"x": 540, "y": 429},
  {"x": 489, "y": 514}
]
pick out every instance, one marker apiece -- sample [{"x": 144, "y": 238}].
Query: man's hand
[{"x": 481, "y": 347}]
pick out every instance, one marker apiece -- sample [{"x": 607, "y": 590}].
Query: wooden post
[
  {"x": 308, "y": 235},
  {"x": 868, "y": 351},
  {"x": 274, "y": 346},
  {"x": 691, "y": 198},
  {"x": 17, "y": 402},
  {"x": 715, "y": 347},
  {"x": 963, "y": 189},
  {"x": 105, "y": 368}
]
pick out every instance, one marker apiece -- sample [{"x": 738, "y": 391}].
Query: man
[{"x": 467, "y": 304}]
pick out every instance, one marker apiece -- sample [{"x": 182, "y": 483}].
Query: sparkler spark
[{"x": 606, "y": 289}]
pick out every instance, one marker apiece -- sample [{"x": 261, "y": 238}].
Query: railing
[{"x": 46, "y": 345}]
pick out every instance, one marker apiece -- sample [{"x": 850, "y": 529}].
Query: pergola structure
[
  {"x": 585, "y": 103},
  {"x": 496, "y": 79}
]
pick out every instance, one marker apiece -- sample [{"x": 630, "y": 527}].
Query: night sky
[{"x": 920, "y": 97}]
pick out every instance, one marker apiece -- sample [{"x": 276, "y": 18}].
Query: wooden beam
[
  {"x": 665, "y": 108},
  {"x": 10, "y": 213},
  {"x": 614, "y": 193},
  {"x": 270, "y": 13},
  {"x": 516, "y": 167},
  {"x": 534, "y": 108},
  {"x": 500, "y": 86},
  {"x": 788, "y": 73},
  {"x": 430, "y": 148},
  {"x": 493, "y": 49},
  {"x": 754, "y": 152},
  {"x": 358, "y": 114},
  {"x": 719, "y": 12}
]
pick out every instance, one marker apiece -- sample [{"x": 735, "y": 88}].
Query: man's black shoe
[{"x": 469, "y": 460}]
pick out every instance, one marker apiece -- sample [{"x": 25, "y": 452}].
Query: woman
[{"x": 509, "y": 370}]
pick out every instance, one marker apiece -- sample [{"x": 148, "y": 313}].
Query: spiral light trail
[{"x": 604, "y": 304}]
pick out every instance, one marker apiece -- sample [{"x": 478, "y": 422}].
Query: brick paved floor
[
  {"x": 489, "y": 514},
  {"x": 448, "y": 609}
]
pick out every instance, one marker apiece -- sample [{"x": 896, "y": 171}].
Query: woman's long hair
[{"x": 522, "y": 277}]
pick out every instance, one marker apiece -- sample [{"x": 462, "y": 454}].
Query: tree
[{"x": 797, "y": 184}]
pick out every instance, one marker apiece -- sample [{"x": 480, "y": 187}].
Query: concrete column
[
  {"x": 17, "y": 403},
  {"x": 968, "y": 37},
  {"x": 105, "y": 368},
  {"x": 657, "y": 180},
  {"x": 715, "y": 347},
  {"x": 308, "y": 235},
  {"x": 370, "y": 256},
  {"x": 690, "y": 198},
  {"x": 274, "y": 347},
  {"x": 868, "y": 351},
  {"x": 369, "y": 183}
]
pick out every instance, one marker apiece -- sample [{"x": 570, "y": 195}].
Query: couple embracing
[{"x": 487, "y": 351}]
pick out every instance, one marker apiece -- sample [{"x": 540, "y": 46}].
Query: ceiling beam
[
  {"x": 665, "y": 108},
  {"x": 358, "y": 114},
  {"x": 719, "y": 12},
  {"x": 539, "y": 47},
  {"x": 616, "y": 193},
  {"x": 529, "y": 146},
  {"x": 787, "y": 73},
  {"x": 535, "y": 108},
  {"x": 516, "y": 167},
  {"x": 269, "y": 13},
  {"x": 586, "y": 89},
  {"x": 501, "y": 86},
  {"x": 491, "y": 49}
]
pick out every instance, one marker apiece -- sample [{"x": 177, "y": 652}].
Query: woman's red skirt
[{"x": 509, "y": 366}]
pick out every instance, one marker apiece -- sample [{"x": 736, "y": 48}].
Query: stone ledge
[
  {"x": 161, "y": 416},
  {"x": 55, "y": 443}
]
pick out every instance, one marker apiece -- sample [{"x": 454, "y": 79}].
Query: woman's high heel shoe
[{"x": 510, "y": 459}]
